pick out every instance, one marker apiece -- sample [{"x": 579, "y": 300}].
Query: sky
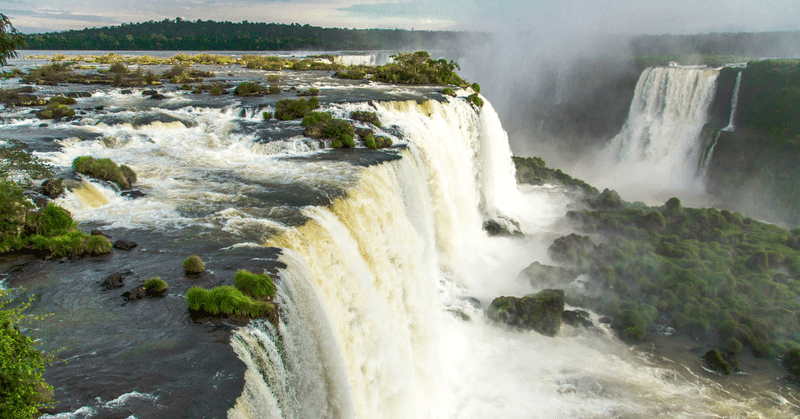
[{"x": 606, "y": 16}]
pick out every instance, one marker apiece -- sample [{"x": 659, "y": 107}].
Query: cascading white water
[
  {"x": 734, "y": 103},
  {"x": 657, "y": 152},
  {"x": 374, "y": 296}
]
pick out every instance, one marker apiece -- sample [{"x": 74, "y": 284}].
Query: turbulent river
[{"x": 382, "y": 264}]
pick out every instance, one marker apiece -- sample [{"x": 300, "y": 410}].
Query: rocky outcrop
[
  {"x": 114, "y": 280},
  {"x": 135, "y": 294},
  {"x": 123, "y": 244},
  {"x": 315, "y": 131},
  {"x": 576, "y": 318},
  {"x": 503, "y": 227},
  {"x": 546, "y": 276},
  {"x": 791, "y": 362},
  {"x": 540, "y": 312},
  {"x": 53, "y": 188}
]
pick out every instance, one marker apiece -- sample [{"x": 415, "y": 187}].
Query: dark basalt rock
[
  {"x": 133, "y": 194},
  {"x": 576, "y": 318},
  {"x": 368, "y": 117},
  {"x": 123, "y": 244},
  {"x": 791, "y": 362},
  {"x": 114, "y": 280},
  {"x": 540, "y": 312},
  {"x": 546, "y": 276},
  {"x": 153, "y": 94},
  {"x": 127, "y": 92},
  {"x": 496, "y": 228},
  {"x": 79, "y": 94},
  {"x": 135, "y": 294},
  {"x": 53, "y": 188}
]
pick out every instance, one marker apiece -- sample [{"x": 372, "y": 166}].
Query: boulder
[
  {"x": 133, "y": 194},
  {"x": 576, "y": 318},
  {"x": 135, "y": 294},
  {"x": 540, "y": 312},
  {"x": 368, "y": 117},
  {"x": 52, "y": 188},
  {"x": 503, "y": 227},
  {"x": 123, "y": 244},
  {"x": 126, "y": 91},
  {"x": 114, "y": 281},
  {"x": 573, "y": 250},
  {"x": 79, "y": 94}
]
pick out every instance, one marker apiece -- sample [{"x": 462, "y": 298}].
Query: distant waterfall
[
  {"x": 734, "y": 103},
  {"x": 659, "y": 148}
]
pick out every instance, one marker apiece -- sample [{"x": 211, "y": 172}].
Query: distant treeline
[{"x": 179, "y": 34}]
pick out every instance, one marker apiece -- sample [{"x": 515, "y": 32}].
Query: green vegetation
[
  {"x": 182, "y": 73},
  {"x": 448, "y": 91},
  {"x": 313, "y": 118},
  {"x": 351, "y": 73},
  {"x": 227, "y": 301},
  {"x": 249, "y": 88},
  {"x": 310, "y": 92},
  {"x": 184, "y": 35},
  {"x": 254, "y": 285},
  {"x": 418, "y": 68},
  {"x": 193, "y": 265},
  {"x": 55, "y": 111},
  {"x": 769, "y": 97},
  {"x": 368, "y": 117},
  {"x": 288, "y": 109},
  {"x": 155, "y": 286},
  {"x": 341, "y": 132},
  {"x": 707, "y": 273},
  {"x": 475, "y": 99},
  {"x": 17, "y": 163},
  {"x": 23, "y": 390},
  {"x": 533, "y": 170},
  {"x": 105, "y": 169},
  {"x": 375, "y": 143}
]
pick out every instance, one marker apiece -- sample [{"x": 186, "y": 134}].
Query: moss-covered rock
[
  {"x": 713, "y": 359},
  {"x": 105, "y": 169},
  {"x": 540, "y": 312},
  {"x": 368, "y": 117}
]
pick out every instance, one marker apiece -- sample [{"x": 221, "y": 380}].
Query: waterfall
[
  {"x": 657, "y": 153},
  {"x": 382, "y": 291},
  {"x": 734, "y": 103}
]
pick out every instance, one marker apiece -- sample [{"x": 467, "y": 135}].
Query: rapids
[{"x": 383, "y": 270}]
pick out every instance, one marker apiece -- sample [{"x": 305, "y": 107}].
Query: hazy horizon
[{"x": 594, "y": 16}]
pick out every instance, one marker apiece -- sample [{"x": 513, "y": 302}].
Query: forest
[{"x": 199, "y": 35}]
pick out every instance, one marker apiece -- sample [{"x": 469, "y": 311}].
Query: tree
[
  {"x": 10, "y": 40},
  {"x": 23, "y": 391}
]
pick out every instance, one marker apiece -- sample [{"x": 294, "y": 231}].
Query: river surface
[{"x": 382, "y": 265}]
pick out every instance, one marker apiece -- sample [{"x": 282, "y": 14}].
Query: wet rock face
[
  {"x": 114, "y": 280},
  {"x": 541, "y": 312}
]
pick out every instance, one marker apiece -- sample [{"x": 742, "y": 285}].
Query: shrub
[
  {"x": 225, "y": 300},
  {"x": 194, "y": 265},
  {"x": 98, "y": 245},
  {"x": 448, "y": 91},
  {"x": 419, "y": 68},
  {"x": 370, "y": 142},
  {"x": 314, "y": 118},
  {"x": 105, "y": 169},
  {"x": 368, "y": 117},
  {"x": 248, "y": 88},
  {"x": 476, "y": 87},
  {"x": 341, "y": 130},
  {"x": 351, "y": 74},
  {"x": 118, "y": 67},
  {"x": 55, "y": 111},
  {"x": 475, "y": 100},
  {"x": 62, "y": 100},
  {"x": 266, "y": 115},
  {"x": 23, "y": 390},
  {"x": 288, "y": 109},
  {"x": 310, "y": 92},
  {"x": 155, "y": 285},
  {"x": 254, "y": 285},
  {"x": 383, "y": 142}
]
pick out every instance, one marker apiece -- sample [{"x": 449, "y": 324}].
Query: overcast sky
[{"x": 608, "y": 16}]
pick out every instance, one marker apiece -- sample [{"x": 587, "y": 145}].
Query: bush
[
  {"x": 419, "y": 68},
  {"x": 475, "y": 100},
  {"x": 314, "y": 118},
  {"x": 370, "y": 142},
  {"x": 105, "y": 169},
  {"x": 266, "y": 115},
  {"x": 351, "y": 74},
  {"x": 310, "y": 92},
  {"x": 368, "y": 117},
  {"x": 254, "y": 285},
  {"x": 288, "y": 109},
  {"x": 62, "y": 100},
  {"x": 155, "y": 285},
  {"x": 448, "y": 91},
  {"x": 98, "y": 245},
  {"x": 248, "y": 88},
  {"x": 226, "y": 300},
  {"x": 193, "y": 265},
  {"x": 23, "y": 390},
  {"x": 341, "y": 130},
  {"x": 383, "y": 142}
]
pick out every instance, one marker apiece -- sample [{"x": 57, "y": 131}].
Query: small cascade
[{"x": 734, "y": 103}]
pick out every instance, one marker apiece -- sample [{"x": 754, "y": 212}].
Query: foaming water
[{"x": 380, "y": 316}]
